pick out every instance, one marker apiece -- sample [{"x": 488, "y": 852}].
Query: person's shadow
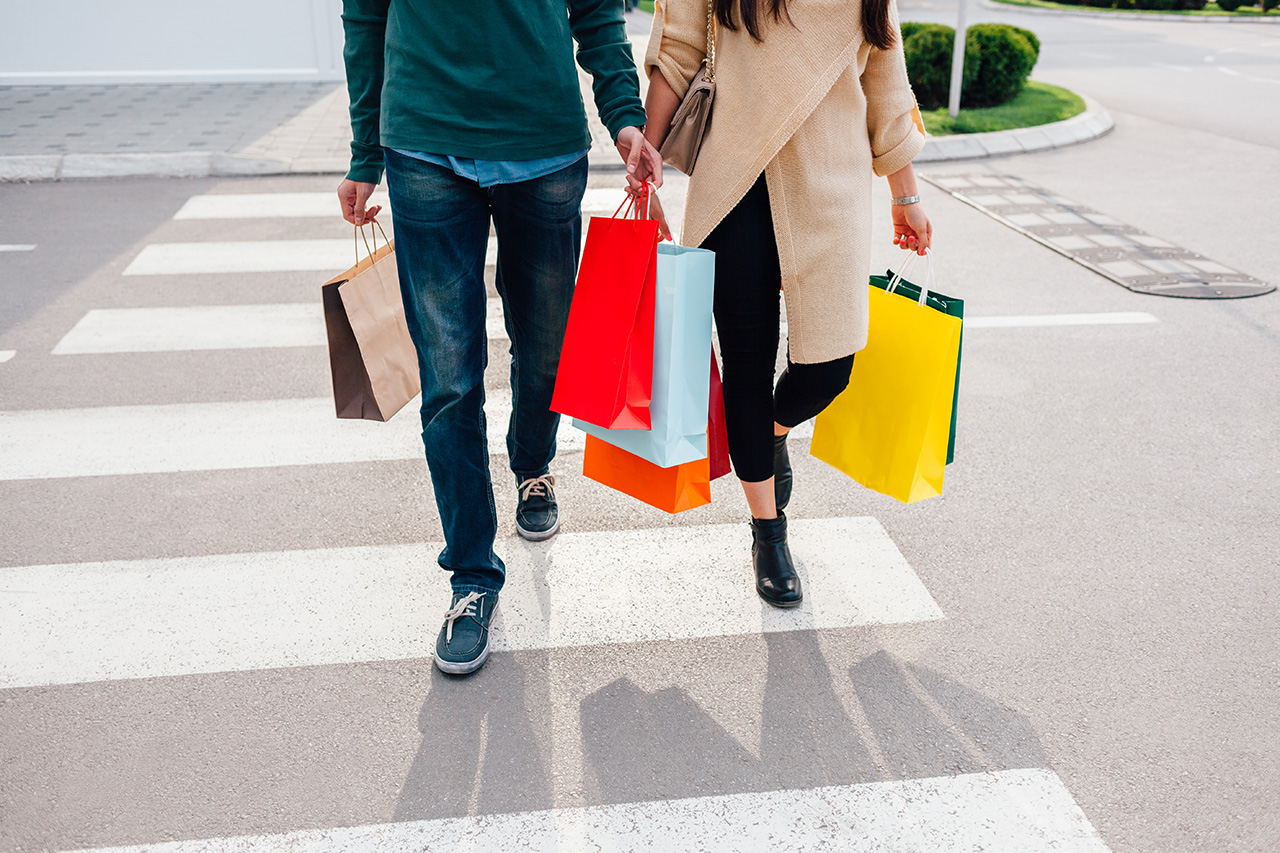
[
  {"x": 914, "y": 723},
  {"x": 480, "y": 752}
]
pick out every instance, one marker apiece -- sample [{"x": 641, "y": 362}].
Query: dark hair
[{"x": 876, "y": 27}]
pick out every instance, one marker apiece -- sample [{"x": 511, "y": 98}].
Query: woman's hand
[
  {"x": 654, "y": 211},
  {"x": 353, "y": 196},
  {"x": 911, "y": 228}
]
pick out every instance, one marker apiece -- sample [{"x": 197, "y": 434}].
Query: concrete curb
[
  {"x": 1093, "y": 123},
  {"x": 1085, "y": 12}
]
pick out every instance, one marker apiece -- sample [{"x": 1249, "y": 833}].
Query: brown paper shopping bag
[{"x": 371, "y": 356}]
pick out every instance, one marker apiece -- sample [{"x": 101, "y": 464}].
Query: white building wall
[{"x": 169, "y": 41}]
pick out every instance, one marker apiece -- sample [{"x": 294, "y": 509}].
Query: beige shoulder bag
[{"x": 690, "y": 123}]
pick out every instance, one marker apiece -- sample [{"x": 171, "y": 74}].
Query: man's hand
[
  {"x": 644, "y": 163},
  {"x": 353, "y": 195}
]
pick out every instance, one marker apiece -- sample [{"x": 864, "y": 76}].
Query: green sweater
[{"x": 486, "y": 79}]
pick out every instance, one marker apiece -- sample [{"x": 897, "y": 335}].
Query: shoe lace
[
  {"x": 465, "y": 606},
  {"x": 541, "y": 486}
]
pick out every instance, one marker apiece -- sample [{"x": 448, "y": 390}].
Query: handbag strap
[{"x": 711, "y": 42}]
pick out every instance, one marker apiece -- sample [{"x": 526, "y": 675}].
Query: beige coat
[{"x": 816, "y": 109}]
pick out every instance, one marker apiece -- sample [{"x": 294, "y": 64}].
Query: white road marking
[
  {"x": 251, "y": 256},
  {"x": 85, "y": 622},
  {"x": 1225, "y": 70},
  {"x": 260, "y": 206},
  {"x": 17, "y": 247},
  {"x": 213, "y": 327},
  {"x": 324, "y": 205},
  {"x": 7, "y": 354},
  {"x": 1027, "y": 320},
  {"x": 1030, "y": 811},
  {"x": 55, "y": 443}
]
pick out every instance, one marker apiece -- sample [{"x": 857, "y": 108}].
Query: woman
[{"x": 781, "y": 193}]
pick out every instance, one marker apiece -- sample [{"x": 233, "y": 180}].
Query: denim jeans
[{"x": 442, "y": 229}]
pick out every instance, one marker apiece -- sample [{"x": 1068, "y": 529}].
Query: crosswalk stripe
[
  {"x": 1026, "y": 810},
  {"x": 250, "y": 256},
  {"x": 165, "y": 617},
  {"x": 207, "y": 327},
  {"x": 17, "y": 247},
  {"x": 260, "y": 206},
  {"x": 121, "y": 330},
  {"x": 321, "y": 205},
  {"x": 213, "y": 327},
  {"x": 1028, "y": 320},
  {"x": 51, "y": 443},
  {"x": 7, "y": 354}
]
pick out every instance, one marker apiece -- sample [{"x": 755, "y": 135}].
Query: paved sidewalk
[{"x": 197, "y": 130}]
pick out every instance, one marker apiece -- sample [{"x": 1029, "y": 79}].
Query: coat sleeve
[
  {"x": 895, "y": 140},
  {"x": 678, "y": 42},
  {"x": 364, "y": 24}
]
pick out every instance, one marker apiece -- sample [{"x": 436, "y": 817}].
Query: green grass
[
  {"x": 1038, "y": 103},
  {"x": 646, "y": 6},
  {"x": 1211, "y": 10}
]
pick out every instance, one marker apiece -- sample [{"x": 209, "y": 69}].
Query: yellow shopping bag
[{"x": 890, "y": 428}]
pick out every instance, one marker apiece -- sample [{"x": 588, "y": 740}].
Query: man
[{"x": 474, "y": 111}]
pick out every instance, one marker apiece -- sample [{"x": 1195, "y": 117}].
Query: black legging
[{"x": 748, "y": 287}]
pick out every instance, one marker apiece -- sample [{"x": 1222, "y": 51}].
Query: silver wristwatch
[{"x": 907, "y": 199}]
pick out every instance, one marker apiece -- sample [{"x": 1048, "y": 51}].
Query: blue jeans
[{"x": 442, "y": 229}]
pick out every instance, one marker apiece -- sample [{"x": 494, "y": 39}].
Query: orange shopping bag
[{"x": 669, "y": 489}]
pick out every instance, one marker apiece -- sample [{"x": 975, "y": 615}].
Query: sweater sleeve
[
  {"x": 678, "y": 43},
  {"x": 604, "y": 52},
  {"x": 895, "y": 141},
  {"x": 364, "y": 24}
]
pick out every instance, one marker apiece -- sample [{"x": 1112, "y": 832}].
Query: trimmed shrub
[
  {"x": 1125, "y": 4},
  {"x": 1157, "y": 5},
  {"x": 1102, "y": 4},
  {"x": 1192, "y": 5},
  {"x": 1268, "y": 5},
  {"x": 997, "y": 60},
  {"x": 1005, "y": 58},
  {"x": 928, "y": 53},
  {"x": 1230, "y": 5}
]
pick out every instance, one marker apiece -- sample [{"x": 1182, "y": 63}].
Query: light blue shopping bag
[{"x": 681, "y": 349}]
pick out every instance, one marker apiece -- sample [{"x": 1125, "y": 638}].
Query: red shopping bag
[
  {"x": 671, "y": 490},
  {"x": 606, "y": 362},
  {"x": 717, "y": 435}
]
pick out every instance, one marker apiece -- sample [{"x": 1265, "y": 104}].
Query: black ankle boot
[
  {"x": 781, "y": 472},
  {"x": 776, "y": 578}
]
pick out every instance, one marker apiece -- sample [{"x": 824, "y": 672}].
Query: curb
[
  {"x": 1094, "y": 123},
  {"x": 1084, "y": 12}
]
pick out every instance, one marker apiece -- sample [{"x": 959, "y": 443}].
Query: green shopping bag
[{"x": 948, "y": 305}]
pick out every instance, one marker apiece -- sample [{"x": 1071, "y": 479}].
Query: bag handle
[
  {"x": 359, "y": 234},
  {"x": 632, "y": 201},
  {"x": 930, "y": 282}
]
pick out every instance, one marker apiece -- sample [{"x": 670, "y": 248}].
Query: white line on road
[
  {"x": 7, "y": 354},
  {"x": 213, "y": 327},
  {"x": 1028, "y": 320},
  {"x": 17, "y": 247},
  {"x": 126, "y": 330},
  {"x": 260, "y": 206},
  {"x": 324, "y": 205},
  {"x": 1030, "y": 811},
  {"x": 123, "y": 440},
  {"x": 252, "y": 256},
  {"x": 85, "y": 622}
]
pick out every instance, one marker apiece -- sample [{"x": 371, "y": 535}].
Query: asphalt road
[{"x": 215, "y": 609}]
